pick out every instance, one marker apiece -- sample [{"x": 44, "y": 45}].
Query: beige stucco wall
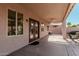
[
  {"x": 56, "y": 30},
  {"x": 45, "y": 32},
  {"x": 64, "y": 29},
  {"x": 61, "y": 29},
  {"x": 9, "y": 44}
]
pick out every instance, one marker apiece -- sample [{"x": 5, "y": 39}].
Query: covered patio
[{"x": 23, "y": 24}]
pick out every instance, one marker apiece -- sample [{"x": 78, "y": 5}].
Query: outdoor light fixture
[{"x": 26, "y": 20}]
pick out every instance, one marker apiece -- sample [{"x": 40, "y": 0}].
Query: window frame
[{"x": 16, "y": 24}]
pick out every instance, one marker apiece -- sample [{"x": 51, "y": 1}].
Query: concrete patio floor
[{"x": 52, "y": 45}]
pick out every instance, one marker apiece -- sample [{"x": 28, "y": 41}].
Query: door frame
[{"x": 38, "y": 29}]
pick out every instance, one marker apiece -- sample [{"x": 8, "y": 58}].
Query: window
[
  {"x": 19, "y": 23},
  {"x": 15, "y": 23},
  {"x": 47, "y": 28},
  {"x": 42, "y": 27},
  {"x": 11, "y": 22}
]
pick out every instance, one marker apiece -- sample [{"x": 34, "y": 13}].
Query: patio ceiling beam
[{"x": 69, "y": 9}]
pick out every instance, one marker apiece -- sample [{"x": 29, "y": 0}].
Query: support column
[{"x": 64, "y": 29}]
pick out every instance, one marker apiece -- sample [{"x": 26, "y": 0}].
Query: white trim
[
  {"x": 6, "y": 22},
  {"x": 16, "y": 23}
]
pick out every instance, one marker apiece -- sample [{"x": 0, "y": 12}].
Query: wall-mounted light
[{"x": 26, "y": 20}]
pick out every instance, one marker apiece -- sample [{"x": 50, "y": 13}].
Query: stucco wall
[
  {"x": 9, "y": 44},
  {"x": 45, "y": 32},
  {"x": 56, "y": 30}
]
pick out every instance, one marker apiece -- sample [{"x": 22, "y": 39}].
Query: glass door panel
[
  {"x": 33, "y": 30},
  {"x": 36, "y": 29}
]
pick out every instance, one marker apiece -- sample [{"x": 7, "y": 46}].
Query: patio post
[{"x": 64, "y": 29}]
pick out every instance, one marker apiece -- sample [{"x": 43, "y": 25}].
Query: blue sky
[{"x": 74, "y": 15}]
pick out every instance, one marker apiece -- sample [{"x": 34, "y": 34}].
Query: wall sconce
[{"x": 26, "y": 20}]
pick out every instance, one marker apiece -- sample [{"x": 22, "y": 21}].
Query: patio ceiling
[{"x": 50, "y": 12}]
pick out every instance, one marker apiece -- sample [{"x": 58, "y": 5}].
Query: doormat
[{"x": 35, "y": 43}]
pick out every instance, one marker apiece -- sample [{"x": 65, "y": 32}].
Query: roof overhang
[{"x": 50, "y": 12}]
